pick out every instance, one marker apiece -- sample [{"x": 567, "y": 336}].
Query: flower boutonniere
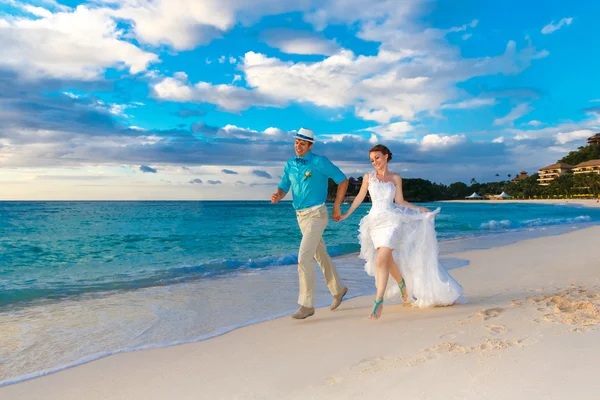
[{"x": 307, "y": 174}]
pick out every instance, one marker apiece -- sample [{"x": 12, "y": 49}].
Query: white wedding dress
[{"x": 411, "y": 234}]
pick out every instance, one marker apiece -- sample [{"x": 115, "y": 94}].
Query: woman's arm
[
  {"x": 359, "y": 197},
  {"x": 399, "y": 199}
]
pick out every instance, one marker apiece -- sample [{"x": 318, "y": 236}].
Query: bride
[{"x": 400, "y": 240}]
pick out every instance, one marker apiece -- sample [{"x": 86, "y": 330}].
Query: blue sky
[{"x": 181, "y": 99}]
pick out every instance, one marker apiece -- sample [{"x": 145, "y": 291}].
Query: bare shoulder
[
  {"x": 366, "y": 178},
  {"x": 396, "y": 178}
]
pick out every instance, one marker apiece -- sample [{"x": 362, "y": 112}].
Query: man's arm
[
  {"x": 279, "y": 195},
  {"x": 332, "y": 171},
  {"x": 283, "y": 188},
  {"x": 339, "y": 198}
]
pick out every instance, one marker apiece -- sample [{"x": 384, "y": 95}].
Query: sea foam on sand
[{"x": 529, "y": 331}]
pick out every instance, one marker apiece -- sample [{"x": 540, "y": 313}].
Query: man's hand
[
  {"x": 424, "y": 210},
  {"x": 336, "y": 215},
  {"x": 275, "y": 197},
  {"x": 342, "y": 217}
]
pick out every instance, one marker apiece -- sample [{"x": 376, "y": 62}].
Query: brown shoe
[
  {"x": 303, "y": 312},
  {"x": 337, "y": 299}
]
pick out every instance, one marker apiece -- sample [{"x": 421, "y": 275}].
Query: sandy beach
[
  {"x": 579, "y": 202},
  {"x": 529, "y": 331}
]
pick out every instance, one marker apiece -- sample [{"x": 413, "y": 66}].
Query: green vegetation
[
  {"x": 566, "y": 186},
  {"x": 583, "y": 153}
]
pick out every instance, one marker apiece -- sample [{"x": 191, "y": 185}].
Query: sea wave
[
  {"x": 34, "y": 290},
  {"x": 537, "y": 222}
]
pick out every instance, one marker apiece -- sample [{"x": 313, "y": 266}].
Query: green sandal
[
  {"x": 377, "y": 304},
  {"x": 402, "y": 285}
]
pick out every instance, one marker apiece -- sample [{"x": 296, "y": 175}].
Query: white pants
[{"x": 312, "y": 222}]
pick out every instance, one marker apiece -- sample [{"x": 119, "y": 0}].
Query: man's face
[{"x": 302, "y": 147}]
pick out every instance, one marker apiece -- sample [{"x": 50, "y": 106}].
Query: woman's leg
[
  {"x": 395, "y": 272},
  {"x": 383, "y": 256}
]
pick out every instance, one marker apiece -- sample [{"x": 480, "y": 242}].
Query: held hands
[
  {"x": 424, "y": 210},
  {"x": 343, "y": 217},
  {"x": 336, "y": 215}
]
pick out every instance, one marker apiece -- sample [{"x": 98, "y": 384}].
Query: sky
[{"x": 186, "y": 99}]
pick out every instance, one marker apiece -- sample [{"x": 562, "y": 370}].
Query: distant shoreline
[{"x": 581, "y": 202}]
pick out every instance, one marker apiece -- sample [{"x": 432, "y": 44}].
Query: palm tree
[{"x": 509, "y": 175}]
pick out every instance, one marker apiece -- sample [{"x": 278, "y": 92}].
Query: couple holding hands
[{"x": 396, "y": 237}]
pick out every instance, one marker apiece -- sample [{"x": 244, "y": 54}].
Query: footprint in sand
[
  {"x": 451, "y": 335},
  {"x": 496, "y": 329},
  {"x": 574, "y": 306},
  {"x": 490, "y": 313},
  {"x": 333, "y": 380},
  {"x": 368, "y": 361}
]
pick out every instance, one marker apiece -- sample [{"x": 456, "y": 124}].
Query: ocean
[{"x": 82, "y": 280}]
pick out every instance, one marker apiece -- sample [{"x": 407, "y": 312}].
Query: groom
[{"x": 307, "y": 174}]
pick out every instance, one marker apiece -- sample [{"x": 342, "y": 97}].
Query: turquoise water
[
  {"x": 61, "y": 249},
  {"x": 80, "y": 280}
]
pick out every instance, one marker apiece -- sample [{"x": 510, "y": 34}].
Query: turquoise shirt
[{"x": 308, "y": 176}]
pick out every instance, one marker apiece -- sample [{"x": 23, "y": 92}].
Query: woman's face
[{"x": 378, "y": 159}]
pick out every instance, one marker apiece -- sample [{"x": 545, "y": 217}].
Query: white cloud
[
  {"x": 392, "y": 131},
  {"x": 228, "y": 97},
  {"x": 362, "y": 11},
  {"x": 415, "y": 70},
  {"x": 552, "y": 133},
  {"x": 499, "y": 139},
  {"x": 470, "y": 103},
  {"x": 535, "y": 122},
  {"x": 37, "y": 11},
  {"x": 396, "y": 83},
  {"x": 340, "y": 137},
  {"x": 299, "y": 42},
  {"x": 54, "y": 5},
  {"x": 71, "y": 95},
  {"x": 186, "y": 24},
  {"x": 552, "y": 27},
  {"x": 514, "y": 114},
  {"x": 174, "y": 90},
  {"x": 392, "y": 84},
  {"x": 76, "y": 45},
  {"x": 434, "y": 140},
  {"x": 466, "y": 36},
  {"x": 579, "y": 135},
  {"x": 273, "y": 131},
  {"x": 118, "y": 109},
  {"x": 462, "y": 28}
]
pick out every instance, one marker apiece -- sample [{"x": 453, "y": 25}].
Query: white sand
[
  {"x": 530, "y": 331},
  {"x": 581, "y": 202}
]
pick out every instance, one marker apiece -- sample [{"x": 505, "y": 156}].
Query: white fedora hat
[{"x": 305, "y": 134}]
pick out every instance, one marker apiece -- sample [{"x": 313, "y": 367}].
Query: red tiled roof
[
  {"x": 590, "y": 163},
  {"x": 556, "y": 166}
]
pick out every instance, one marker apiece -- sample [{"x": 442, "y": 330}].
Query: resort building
[
  {"x": 587, "y": 167},
  {"x": 594, "y": 139},
  {"x": 551, "y": 172},
  {"x": 522, "y": 175}
]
